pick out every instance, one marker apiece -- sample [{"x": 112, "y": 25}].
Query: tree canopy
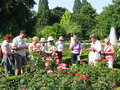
[
  {"x": 15, "y": 15},
  {"x": 77, "y": 6}
]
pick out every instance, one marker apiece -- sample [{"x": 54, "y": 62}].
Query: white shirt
[
  {"x": 17, "y": 42},
  {"x": 96, "y": 45},
  {"x": 59, "y": 46},
  {"x": 5, "y": 43},
  {"x": 34, "y": 47}
]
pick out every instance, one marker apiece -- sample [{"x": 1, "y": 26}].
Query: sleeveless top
[{"x": 111, "y": 56}]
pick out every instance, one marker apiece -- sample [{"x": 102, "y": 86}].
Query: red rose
[{"x": 84, "y": 77}]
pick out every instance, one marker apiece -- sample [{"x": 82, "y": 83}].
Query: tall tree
[
  {"x": 89, "y": 16},
  {"x": 65, "y": 18},
  {"x": 86, "y": 19},
  {"x": 15, "y": 15},
  {"x": 56, "y": 14},
  {"x": 43, "y": 14},
  {"x": 110, "y": 17},
  {"x": 85, "y": 2},
  {"x": 77, "y": 6}
]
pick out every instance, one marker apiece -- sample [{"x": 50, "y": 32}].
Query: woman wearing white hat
[
  {"x": 42, "y": 44},
  {"x": 50, "y": 47},
  {"x": 60, "y": 46}
]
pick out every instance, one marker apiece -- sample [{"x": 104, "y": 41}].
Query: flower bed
[{"x": 49, "y": 75}]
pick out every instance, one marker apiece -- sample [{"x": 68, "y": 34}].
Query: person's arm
[
  {"x": 112, "y": 50},
  {"x": 71, "y": 45},
  {"x": 6, "y": 51},
  {"x": 46, "y": 50},
  {"x": 99, "y": 47},
  {"x": 18, "y": 48},
  {"x": 80, "y": 52},
  {"x": 14, "y": 46}
]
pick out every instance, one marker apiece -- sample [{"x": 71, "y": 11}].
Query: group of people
[
  {"x": 96, "y": 51},
  {"x": 14, "y": 55}
]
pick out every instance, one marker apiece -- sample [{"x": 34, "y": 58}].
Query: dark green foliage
[
  {"x": 43, "y": 16},
  {"x": 56, "y": 14},
  {"x": 77, "y": 6},
  {"x": 15, "y": 15},
  {"x": 86, "y": 19},
  {"x": 110, "y": 17}
]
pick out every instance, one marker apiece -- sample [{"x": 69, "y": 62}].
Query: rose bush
[{"x": 49, "y": 75}]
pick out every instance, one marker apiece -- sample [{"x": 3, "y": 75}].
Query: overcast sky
[{"x": 97, "y": 4}]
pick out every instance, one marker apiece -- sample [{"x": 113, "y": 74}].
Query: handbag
[{"x": 103, "y": 54}]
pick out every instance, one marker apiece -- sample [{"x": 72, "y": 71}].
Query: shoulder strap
[{"x": 107, "y": 47}]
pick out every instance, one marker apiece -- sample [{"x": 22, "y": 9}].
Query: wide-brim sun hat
[
  {"x": 42, "y": 40},
  {"x": 61, "y": 38},
  {"x": 50, "y": 38}
]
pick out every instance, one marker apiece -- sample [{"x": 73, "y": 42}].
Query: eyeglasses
[{"x": 61, "y": 40}]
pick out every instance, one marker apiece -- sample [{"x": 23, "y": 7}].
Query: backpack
[{"x": 1, "y": 53}]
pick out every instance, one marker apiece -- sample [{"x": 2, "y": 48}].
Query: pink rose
[
  {"x": 54, "y": 54},
  {"x": 48, "y": 58},
  {"x": 63, "y": 65},
  {"x": 23, "y": 88},
  {"x": 49, "y": 71},
  {"x": 68, "y": 72},
  {"x": 57, "y": 61},
  {"x": 46, "y": 64}
]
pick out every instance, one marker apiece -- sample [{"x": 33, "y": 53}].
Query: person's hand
[
  {"x": 12, "y": 53},
  {"x": 37, "y": 50},
  {"x": 91, "y": 49},
  {"x": 79, "y": 55},
  {"x": 16, "y": 53},
  {"x": 25, "y": 47}
]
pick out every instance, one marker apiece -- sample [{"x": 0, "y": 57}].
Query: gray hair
[
  {"x": 75, "y": 37},
  {"x": 107, "y": 39},
  {"x": 93, "y": 36}
]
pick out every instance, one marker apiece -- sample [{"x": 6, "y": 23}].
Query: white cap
[
  {"x": 50, "y": 38},
  {"x": 42, "y": 40},
  {"x": 61, "y": 38}
]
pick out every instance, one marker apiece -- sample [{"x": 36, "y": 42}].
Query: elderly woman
[
  {"x": 7, "y": 60},
  {"x": 109, "y": 52},
  {"x": 76, "y": 48},
  {"x": 50, "y": 47},
  {"x": 95, "y": 49},
  {"x": 42, "y": 46},
  {"x": 60, "y": 46},
  {"x": 33, "y": 47}
]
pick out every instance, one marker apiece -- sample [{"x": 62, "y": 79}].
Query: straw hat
[
  {"x": 50, "y": 38},
  {"x": 42, "y": 40},
  {"x": 61, "y": 38}
]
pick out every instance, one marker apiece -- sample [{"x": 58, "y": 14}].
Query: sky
[{"x": 97, "y": 4}]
